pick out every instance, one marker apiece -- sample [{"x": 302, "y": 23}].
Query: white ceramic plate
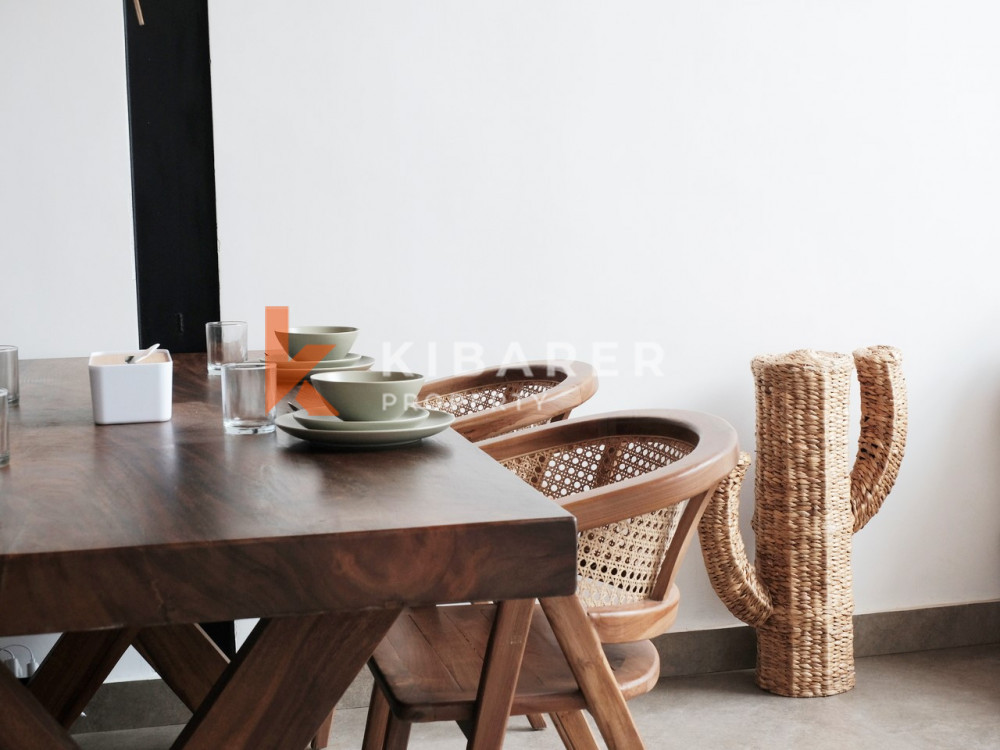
[
  {"x": 435, "y": 422},
  {"x": 411, "y": 417},
  {"x": 324, "y": 364}
]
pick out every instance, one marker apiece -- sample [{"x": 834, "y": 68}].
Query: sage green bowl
[
  {"x": 368, "y": 396},
  {"x": 321, "y": 338}
]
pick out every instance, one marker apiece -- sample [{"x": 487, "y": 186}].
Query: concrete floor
[{"x": 928, "y": 700}]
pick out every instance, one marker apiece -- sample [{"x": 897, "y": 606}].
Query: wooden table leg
[
  {"x": 322, "y": 736},
  {"x": 500, "y": 669},
  {"x": 586, "y": 658},
  {"x": 185, "y": 657},
  {"x": 190, "y": 663},
  {"x": 285, "y": 679},
  {"x": 75, "y": 668},
  {"x": 26, "y": 725}
]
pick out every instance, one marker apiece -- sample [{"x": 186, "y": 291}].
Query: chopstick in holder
[{"x": 138, "y": 12}]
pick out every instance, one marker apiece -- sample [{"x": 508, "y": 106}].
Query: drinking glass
[
  {"x": 4, "y": 438},
  {"x": 225, "y": 341},
  {"x": 248, "y": 397},
  {"x": 8, "y": 373}
]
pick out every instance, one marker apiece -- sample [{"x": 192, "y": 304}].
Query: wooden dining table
[{"x": 132, "y": 534}]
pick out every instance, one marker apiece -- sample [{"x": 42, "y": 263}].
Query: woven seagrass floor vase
[{"x": 809, "y": 503}]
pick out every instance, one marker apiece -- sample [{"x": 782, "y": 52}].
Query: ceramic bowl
[
  {"x": 368, "y": 396},
  {"x": 319, "y": 339}
]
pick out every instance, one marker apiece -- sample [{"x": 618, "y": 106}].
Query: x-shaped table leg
[{"x": 274, "y": 694}]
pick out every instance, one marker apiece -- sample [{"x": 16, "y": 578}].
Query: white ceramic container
[{"x": 122, "y": 393}]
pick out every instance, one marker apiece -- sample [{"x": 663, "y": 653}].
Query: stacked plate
[
  {"x": 415, "y": 424},
  {"x": 298, "y": 370}
]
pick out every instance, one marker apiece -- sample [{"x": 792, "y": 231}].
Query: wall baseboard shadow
[
  {"x": 875, "y": 634},
  {"x": 149, "y": 703}
]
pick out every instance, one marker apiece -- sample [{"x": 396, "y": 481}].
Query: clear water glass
[
  {"x": 225, "y": 342},
  {"x": 4, "y": 436},
  {"x": 8, "y": 373},
  {"x": 248, "y": 397}
]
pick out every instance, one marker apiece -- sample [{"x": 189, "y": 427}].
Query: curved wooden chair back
[
  {"x": 638, "y": 483},
  {"x": 499, "y": 400}
]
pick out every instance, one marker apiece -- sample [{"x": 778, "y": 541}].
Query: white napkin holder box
[{"x": 123, "y": 393}]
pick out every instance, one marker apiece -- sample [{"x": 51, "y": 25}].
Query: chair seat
[{"x": 430, "y": 663}]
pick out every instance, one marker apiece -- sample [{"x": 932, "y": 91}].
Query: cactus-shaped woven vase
[{"x": 809, "y": 503}]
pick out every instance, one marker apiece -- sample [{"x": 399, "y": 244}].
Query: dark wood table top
[{"x": 176, "y": 522}]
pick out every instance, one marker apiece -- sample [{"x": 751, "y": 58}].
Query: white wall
[
  {"x": 720, "y": 179},
  {"x": 65, "y": 182}
]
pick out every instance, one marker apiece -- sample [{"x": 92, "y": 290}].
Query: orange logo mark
[{"x": 276, "y": 347}]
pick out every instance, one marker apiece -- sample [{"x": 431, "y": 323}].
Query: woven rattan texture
[
  {"x": 480, "y": 398},
  {"x": 729, "y": 570},
  {"x": 803, "y": 523},
  {"x": 883, "y": 430},
  {"x": 617, "y": 563},
  {"x": 798, "y": 593}
]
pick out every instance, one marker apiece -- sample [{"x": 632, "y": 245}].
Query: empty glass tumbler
[
  {"x": 4, "y": 437},
  {"x": 225, "y": 342},
  {"x": 8, "y": 373},
  {"x": 248, "y": 397}
]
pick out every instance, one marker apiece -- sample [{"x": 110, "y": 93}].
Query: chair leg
[
  {"x": 574, "y": 731},
  {"x": 501, "y": 665},
  {"x": 586, "y": 659},
  {"x": 378, "y": 721},
  {"x": 537, "y": 721},
  {"x": 397, "y": 734},
  {"x": 322, "y": 738},
  {"x": 468, "y": 728}
]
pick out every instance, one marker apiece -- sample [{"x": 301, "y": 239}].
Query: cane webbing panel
[
  {"x": 480, "y": 398},
  {"x": 616, "y": 563}
]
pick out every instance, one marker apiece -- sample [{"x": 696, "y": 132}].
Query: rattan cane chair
[
  {"x": 638, "y": 483},
  {"x": 503, "y": 399},
  {"x": 500, "y": 400}
]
